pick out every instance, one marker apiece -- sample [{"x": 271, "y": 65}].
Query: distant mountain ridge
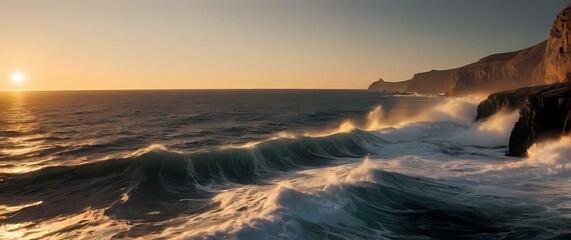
[{"x": 544, "y": 63}]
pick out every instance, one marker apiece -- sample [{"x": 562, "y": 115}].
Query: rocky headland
[
  {"x": 381, "y": 85},
  {"x": 545, "y": 114},
  {"x": 544, "y": 110},
  {"x": 540, "y": 79},
  {"x": 547, "y": 62}
]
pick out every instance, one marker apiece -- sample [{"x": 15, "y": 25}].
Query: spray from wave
[
  {"x": 556, "y": 155},
  {"x": 454, "y": 110},
  {"x": 413, "y": 176},
  {"x": 493, "y": 132}
]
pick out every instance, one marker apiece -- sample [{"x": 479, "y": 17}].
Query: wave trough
[{"x": 428, "y": 173}]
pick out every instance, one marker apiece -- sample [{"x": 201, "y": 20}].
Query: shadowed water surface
[{"x": 269, "y": 164}]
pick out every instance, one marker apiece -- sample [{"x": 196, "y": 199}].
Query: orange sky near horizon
[{"x": 144, "y": 44}]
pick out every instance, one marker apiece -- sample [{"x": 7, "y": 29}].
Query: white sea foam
[
  {"x": 272, "y": 211},
  {"x": 555, "y": 155},
  {"x": 493, "y": 132},
  {"x": 442, "y": 144}
]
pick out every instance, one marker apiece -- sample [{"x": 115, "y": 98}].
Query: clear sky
[{"x": 144, "y": 44}]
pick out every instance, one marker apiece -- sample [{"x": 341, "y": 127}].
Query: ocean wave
[
  {"x": 378, "y": 204},
  {"x": 426, "y": 175},
  {"x": 156, "y": 175}
]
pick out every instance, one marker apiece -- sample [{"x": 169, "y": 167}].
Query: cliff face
[
  {"x": 544, "y": 114},
  {"x": 510, "y": 100},
  {"x": 381, "y": 85},
  {"x": 545, "y": 63},
  {"x": 558, "y": 52},
  {"x": 493, "y": 73},
  {"x": 500, "y": 72},
  {"x": 432, "y": 82}
]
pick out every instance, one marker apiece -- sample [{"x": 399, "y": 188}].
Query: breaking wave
[{"x": 357, "y": 181}]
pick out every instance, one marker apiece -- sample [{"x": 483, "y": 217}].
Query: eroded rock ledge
[{"x": 544, "y": 114}]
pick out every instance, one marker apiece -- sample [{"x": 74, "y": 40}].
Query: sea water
[{"x": 271, "y": 164}]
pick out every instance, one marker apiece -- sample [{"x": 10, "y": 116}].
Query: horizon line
[{"x": 171, "y": 89}]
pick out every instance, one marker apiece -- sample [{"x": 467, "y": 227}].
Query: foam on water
[
  {"x": 432, "y": 174},
  {"x": 556, "y": 155},
  {"x": 494, "y": 132}
]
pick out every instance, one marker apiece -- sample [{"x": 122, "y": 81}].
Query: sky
[{"x": 251, "y": 44}]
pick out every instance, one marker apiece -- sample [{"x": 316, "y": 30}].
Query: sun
[{"x": 18, "y": 77}]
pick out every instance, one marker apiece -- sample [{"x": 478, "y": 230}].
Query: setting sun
[
  {"x": 18, "y": 77},
  {"x": 273, "y": 119}
]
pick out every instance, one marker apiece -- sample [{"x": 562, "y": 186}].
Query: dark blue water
[
  {"x": 269, "y": 164},
  {"x": 83, "y": 126}
]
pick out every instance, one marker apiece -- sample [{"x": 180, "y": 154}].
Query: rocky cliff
[
  {"x": 493, "y": 73},
  {"x": 432, "y": 82},
  {"x": 544, "y": 114},
  {"x": 558, "y": 50},
  {"x": 510, "y": 100},
  {"x": 545, "y": 63},
  {"x": 500, "y": 72},
  {"x": 381, "y": 85}
]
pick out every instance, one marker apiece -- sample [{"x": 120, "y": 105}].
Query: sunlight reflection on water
[{"x": 23, "y": 139}]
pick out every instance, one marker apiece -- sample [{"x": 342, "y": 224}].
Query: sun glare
[{"x": 18, "y": 77}]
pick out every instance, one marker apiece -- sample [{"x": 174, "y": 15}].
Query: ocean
[{"x": 271, "y": 164}]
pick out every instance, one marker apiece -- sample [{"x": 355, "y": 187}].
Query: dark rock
[
  {"x": 544, "y": 114},
  {"x": 509, "y": 100}
]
